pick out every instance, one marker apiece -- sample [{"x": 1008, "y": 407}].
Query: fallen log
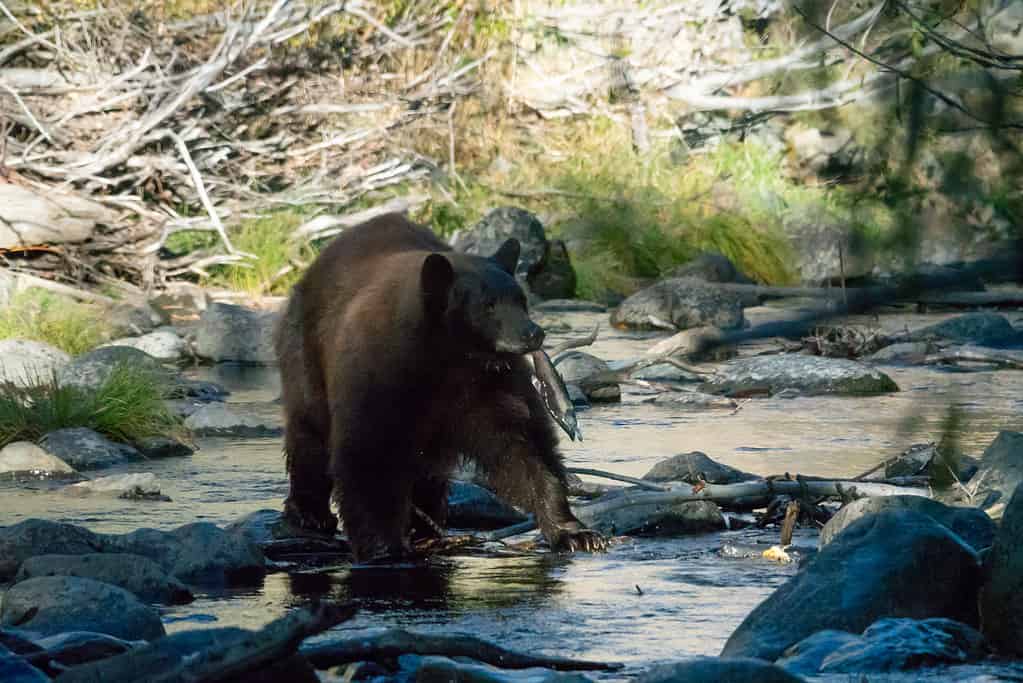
[
  {"x": 1006, "y": 359},
  {"x": 395, "y": 642},
  {"x": 972, "y": 299},
  {"x": 225, "y": 653}
]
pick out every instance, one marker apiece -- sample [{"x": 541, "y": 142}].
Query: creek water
[{"x": 645, "y": 601}]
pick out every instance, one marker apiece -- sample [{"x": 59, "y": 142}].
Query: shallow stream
[{"x": 647, "y": 600}]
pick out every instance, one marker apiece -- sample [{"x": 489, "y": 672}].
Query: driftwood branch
[
  {"x": 395, "y": 642},
  {"x": 641, "y": 483},
  {"x": 576, "y": 343}
]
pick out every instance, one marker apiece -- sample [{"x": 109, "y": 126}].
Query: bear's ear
[
  {"x": 436, "y": 277},
  {"x": 508, "y": 255}
]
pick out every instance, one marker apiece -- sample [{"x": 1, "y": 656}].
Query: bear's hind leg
[
  {"x": 376, "y": 502},
  {"x": 430, "y": 508},
  {"x": 308, "y": 502}
]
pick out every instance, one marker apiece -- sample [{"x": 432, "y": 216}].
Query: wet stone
[
  {"x": 809, "y": 375},
  {"x": 137, "y": 575},
  {"x": 84, "y": 449}
]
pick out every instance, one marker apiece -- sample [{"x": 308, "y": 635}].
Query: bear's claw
[
  {"x": 325, "y": 523},
  {"x": 585, "y": 540}
]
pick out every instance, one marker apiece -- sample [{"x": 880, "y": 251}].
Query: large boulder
[
  {"x": 680, "y": 303},
  {"x": 575, "y": 366},
  {"x": 134, "y": 573},
  {"x": 807, "y": 375},
  {"x": 474, "y": 507},
  {"x": 163, "y": 344},
  {"x": 718, "y": 670},
  {"x": 902, "y": 353},
  {"x": 696, "y": 466},
  {"x": 84, "y": 449},
  {"x": 887, "y": 645},
  {"x": 55, "y": 604},
  {"x": 218, "y": 419},
  {"x": 1001, "y": 470},
  {"x": 1001, "y": 598},
  {"x": 981, "y": 329},
  {"x": 23, "y": 540},
  {"x": 230, "y": 333},
  {"x": 24, "y": 457},
  {"x": 970, "y": 524},
  {"x": 654, "y": 519},
  {"x": 90, "y": 370},
  {"x": 24, "y": 362},
  {"x": 897, "y": 563},
  {"x": 711, "y": 266}
]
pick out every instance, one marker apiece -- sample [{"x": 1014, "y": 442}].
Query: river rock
[
  {"x": 1001, "y": 598},
  {"x": 970, "y": 524},
  {"x": 157, "y": 447},
  {"x": 718, "y": 670},
  {"x": 568, "y": 306},
  {"x": 80, "y": 647},
  {"x": 438, "y": 669},
  {"x": 84, "y": 449},
  {"x": 663, "y": 372},
  {"x": 25, "y": 362},
  {"x": 24, "y": 457},
  {"x": 553, "y": 277},
  {"x": 162, "y": 344},
  {"x": 1001, "y": 469},
  {"x": 809, "y": 375},
  {"x": 121, "y": 485},
  {"x": 23, "y": 540},
  {"x": 980, "y": 329},
  {"x": 54, "y": 604},
  {"x": 500, "y": 224},
  {"x": 897, "y": 563},
  {"x": 691, "y": 400},
  {"x": 574, "y": 366},
  {"x": 474, "y": 507},
  {"x": 902, "y": 353},
  {"x": 14, "y": 669},
  {"x": 230, "y": 333},
  {"x": 90, "y": 370},
  {"x": 134, "y": 573},
  {"x": 887, "y": 645},
  {"x": 711, "y": 266},
  {"x": 218, "y": 419},
  {"x": 132, "y": 319},
  {"x": 696, "y": 466},
  {"x": 654, "y": 519},
  {"x": 680, "y": 303}
]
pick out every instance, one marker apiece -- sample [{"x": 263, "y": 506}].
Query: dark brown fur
[{"x": 380, "y": 400}]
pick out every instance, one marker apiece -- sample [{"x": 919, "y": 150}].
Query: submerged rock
[
  {"x": 809, "y": 375},
  {"x": 1001, "y": 470},
  {"x": 162, "y": 344},
  {"x": 694, "y": 466},
  {"x": 437, "y": 669},
  {"x": 157, "y": 447},
  {"x": 474, "y": 507},
  {"x": 970, "y": 524},
  {"x": 680, "y": 303},
  {"x": 84, "y": 449},
  {"x": 1001, "y": 598},
  {"x": 218, "y": 419},
  {"x": 718, "y": 670},
  {"x": 116, "y": 485},
  {"x": 231, "y": 333},
  {"x": 887, "y": 645},
  {"x": 14, "y": 669},
  {"x": 24, "y": 457},
  {"x": 54, "y": 604},
  {"x": 692, "y": 400},
  {"x": 134, "y": 573},
  {"x": 981, "y": 329},
  {"x": 891, "y": 564},
  {"x": 575, "y": 366},
  {"x": 25, "y": 362}
]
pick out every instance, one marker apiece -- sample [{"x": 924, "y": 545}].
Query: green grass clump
[
  {"x": 128, "y": 406},
  {"x": 268, "y": 239},
  {"x": 41, "y": 316}
]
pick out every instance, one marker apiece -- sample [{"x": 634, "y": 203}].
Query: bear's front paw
[
  {"x": 324, "y": 522},
  {"x": 585, "y": 540}
]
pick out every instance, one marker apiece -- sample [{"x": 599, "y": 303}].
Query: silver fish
[{"x": 551, "y": 388}]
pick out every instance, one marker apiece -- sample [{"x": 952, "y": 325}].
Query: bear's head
[{"x": 479, "y": 303}]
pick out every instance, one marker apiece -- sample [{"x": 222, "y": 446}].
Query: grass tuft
[
  {"x": 128, "y": 406},
  {"x": 42, "y": 316}
]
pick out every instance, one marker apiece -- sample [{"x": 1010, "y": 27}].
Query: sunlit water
[{"x": 647, "y": 600}]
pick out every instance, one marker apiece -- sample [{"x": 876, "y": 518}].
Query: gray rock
[
  {"x": 25, "y": 363},
  {"x": 691, "y": 467},
  {"x": 711, "y": 267},
  {"x": 179, "y": 301},
  {"x": 824, "y": 246},
  {"x": 92, "y": 369},
  {"x": 218, "y": 419},
  {"x": 54, "y": 604},
  {"x": 655, "y": 519},
  {"x": 132, "y": 319},
  {"x": 162, "y": 447},
  {"x": 718, "y": 670},
  {"x": 897, "y": 563},
  {"x": 903, "y": 353},
  {"x": 809, "y": 375},
  {"x": 23, "y": 540},
  {"x": 474, "y": 507},
  {"x": 1001, "y": 469},
  {"x": 664, "y": 372},
  {"x": 161, "y": 344},
  {"x": 487, "y": 236},
  {"x": 138, "y": 575},
  {"x": 553, "y": 277},
  {"x": 14, "y": 669},
  {"x": 887, "y": 645},
  {"x": 84, "y": 449},
  {"x": 437, "y": 669},
  {"x": 1001, "y": 598},
  {"x": 692, "y": 400},
  {"x": 680, "y": 303},
  {"x": 24, "y": 457},
  {"x": 981, "y": 329},
  {"x": 970, "y": 524},
  {"x": 79, "y": 647},
  {"x": 574, "y": 366},
  {"x": 569, "y": 306},
  {"x": 227, "y": 332}
]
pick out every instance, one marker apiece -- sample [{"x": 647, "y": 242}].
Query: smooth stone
[
  {"x": 680, "y": 303},
  {"x": 158, "y": 447},
  {"x": 694, "y": 466},
  {"x": 1001, "y": 470},
  {"x": 474, "y": 507},
  {"x": 14, "y": 669},
  {"x": 809, "y": 375},
  {"x": 652, "y": 519},
  {"x": 161, "y": 344},
  {"x": 970, "y": 524},
  {"x": 116, "y": 485},
  {"x": 718, "y": 670},
  {"x": 25, "y": 362},
  {"x": 982, "y": 329},
  {"x": 49, "y": 605},
  {"x": 90, "y": 370},
  {"x": 574, "y": 366},
  {"x": 438, "y": 669},
  {"x": 569, "y": 306},
  {"x": 1001, "y": 598},
  {"x": 897, "y": 563},
  {"x": 902, "y": 353},
  {"x": 691, "y": 400},
  {"x": 218, "y": 419},
  {"x": 84, "y": 449},
  {"x": 231, "y": 333},
  {"x": 26, "y": 457},
  {"x": 711, "y": 266},
  {"x": 136, "y": 574}
]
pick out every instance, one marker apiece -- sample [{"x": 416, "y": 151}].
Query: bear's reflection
[{"x": 462, "y": 583}]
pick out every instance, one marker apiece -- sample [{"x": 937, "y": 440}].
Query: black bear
[{"x": 398, "y": 356}]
